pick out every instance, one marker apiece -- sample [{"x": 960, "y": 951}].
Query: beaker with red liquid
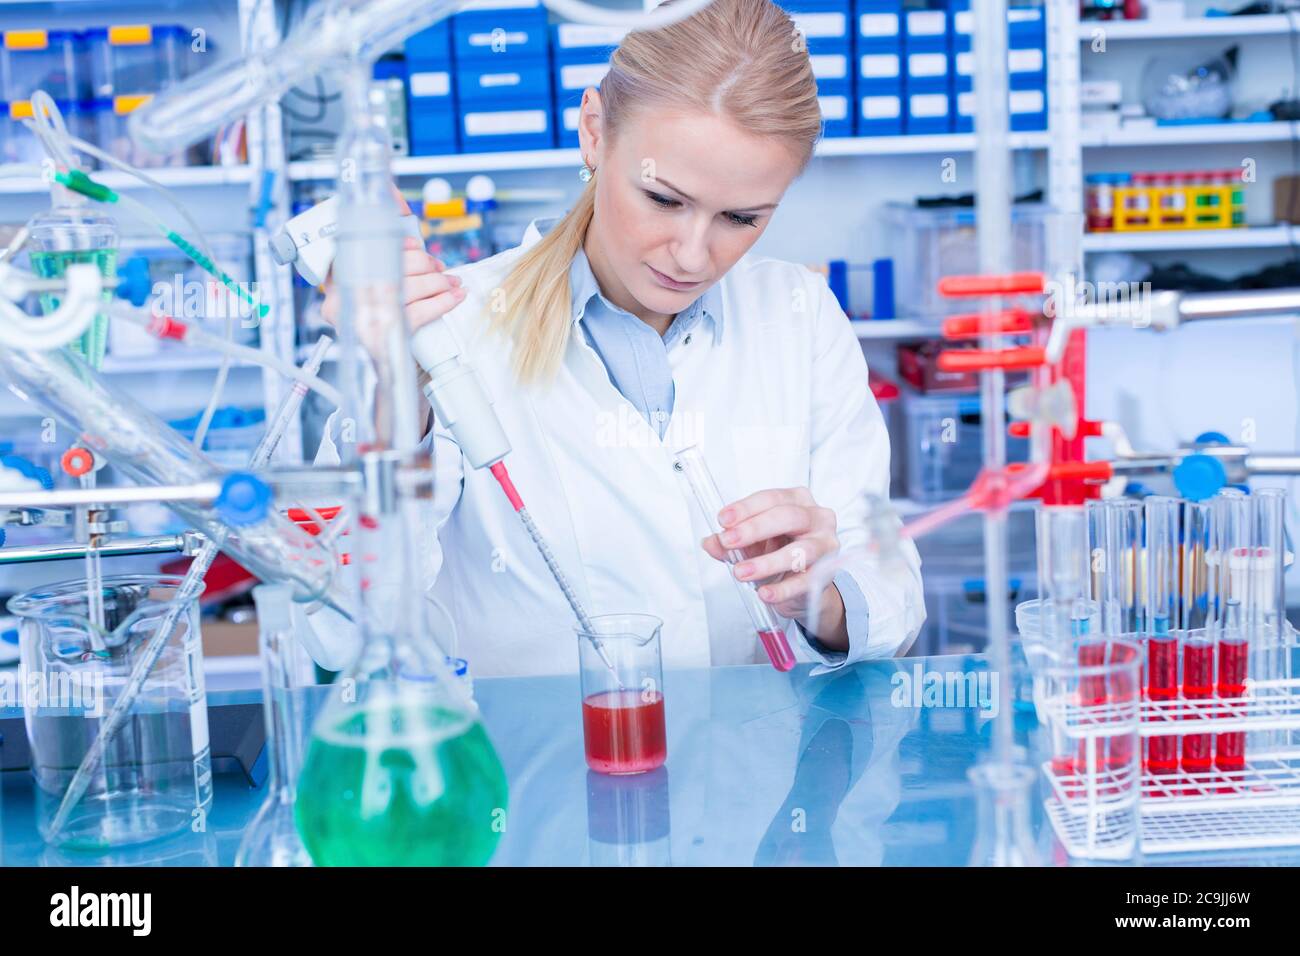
[{"x": 624, "y": 728}]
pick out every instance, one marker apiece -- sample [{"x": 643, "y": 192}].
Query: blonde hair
[{"x": 739, "y": 59}]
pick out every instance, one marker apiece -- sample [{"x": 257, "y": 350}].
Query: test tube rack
[
  {"x": 1255, "y": 806},
  {"x": 1150, "y": 202}
]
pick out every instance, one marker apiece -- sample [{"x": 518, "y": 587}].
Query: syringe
[
  {"x": 690, "y": 462},
  {"x": 186, "y": 592}
]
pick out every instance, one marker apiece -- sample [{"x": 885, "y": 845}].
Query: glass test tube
[
  {"x": 1115, "y": 525},
  {"x": 1160, "y": 616},
  {"x": 1064, "y": 583},
  {"x": 771, "y": 634}
]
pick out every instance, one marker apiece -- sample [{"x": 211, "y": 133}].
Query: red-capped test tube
[
  {"x": 771, "y": 635},
  {"x": 1160, "y": 620}
]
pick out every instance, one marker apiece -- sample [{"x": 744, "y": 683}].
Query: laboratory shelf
[
  {"x": 1254, "y": 237},
  {"x": 178, "y": 177},
  {"x": 1188, "y": 27},
  {"x": 324, "y": 169},
  {"x": 1196, "y": 133}
]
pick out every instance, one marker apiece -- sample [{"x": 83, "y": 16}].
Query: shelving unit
[
  {"x": 1255, "y": 237},
  {"x": 1188, "y": 27}
]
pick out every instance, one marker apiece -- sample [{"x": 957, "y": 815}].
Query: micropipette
[
  {"x": 771, "y": 634},
  {"x": 185, "y": 592}
]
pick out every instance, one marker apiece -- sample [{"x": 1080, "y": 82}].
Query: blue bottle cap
[
  {"x": 133, "y": 281},
  {"x": 244, "y": 499},
  {"x": 1212, "y": 438},
  {"x": 1197, "y": 477}
]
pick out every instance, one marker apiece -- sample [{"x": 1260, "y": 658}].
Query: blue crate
[
  {"x": 489, "y": 34},
  {"x": 507, "y": 125},
  {"x": 1028, "y": 110},
  {"x": 880, "y": 114},
  {"x": 928, "y": 112},
  {"x": 432, "y": 129},
  {"x": 880, "y": 72},
  {"x": 827, "y": 25},
  {"x": 832, "y": 68},
  {"x": 584, "y": 43},
  {"x": 503, "y": 78},
  {"x": 431, "y": 46},
  {"x": 928, "y": 71},
  {"x": 878, "y": 26},
  {"x": 926, "y": 31},
  {"x": 837, "y": 112}
]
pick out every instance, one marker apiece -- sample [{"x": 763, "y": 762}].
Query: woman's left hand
[{"x": 782, "y": 533}]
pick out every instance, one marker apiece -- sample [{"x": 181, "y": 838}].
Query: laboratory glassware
[
  {"x": 771, "y": 633},
  {"x": 1004, "y": 798},
  {"x": 71, "y": 233},
  {"x": 1094, "y": 698},
  {"x": 272, "y": 839},
  {"x": 155, "y": 778},
  {"x": 623, "y": 724},
  {"x": 1161, "y": 619},
  {"x": 628, "y": 819}
]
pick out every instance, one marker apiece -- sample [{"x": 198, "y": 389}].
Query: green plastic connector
[{"x": 79, "y": 182}]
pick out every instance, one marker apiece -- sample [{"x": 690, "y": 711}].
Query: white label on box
[
  {"x": 430, "y": 84},
  {"x": 586, "y": 34},
  {"x": 474, "y": 5},
  {"x": 820, "y": 24},
  {"x": 570, "y": 117},
  {"x": 504, "y": 38},
  {"x": 964, "y": 22},
  {"x": 881, "y": 107},
  {"x": 1027, "y": 101},
  {"x": 505, "y": 122},
  {"x": 965, "y": 64},
  {"x": 830, "y": 66},
  {"x": 1025, "y": 61},
  {"x": 490, "y": 80},
  {"x": 579, "y": 76},
  {"x": 928, "y": 104},
  {"x": 966, "y": 104},
  {"x": 1024, "y": 14},
  {"x": 926, "y": 23},
  {"x": 875, "y": 65},
  {"x": 834, "y": 107},
  {"x": 927, "y": 64},
  {"x": 878, "y": 25}
]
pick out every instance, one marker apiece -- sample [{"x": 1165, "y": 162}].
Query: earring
[{"x": 585, "y": 173}]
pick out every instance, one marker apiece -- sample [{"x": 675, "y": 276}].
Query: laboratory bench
[{"x": 763, "y": 768}]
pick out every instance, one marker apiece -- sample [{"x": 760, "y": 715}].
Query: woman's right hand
[{"x": 428, "y": 291}]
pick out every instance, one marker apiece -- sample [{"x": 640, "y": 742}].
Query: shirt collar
[{"x": 584, "y": 287}]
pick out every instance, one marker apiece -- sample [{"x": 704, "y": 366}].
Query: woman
[{"x": 636, "y": 325}]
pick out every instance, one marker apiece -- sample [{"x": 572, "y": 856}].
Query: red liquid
[
  {"x": 623, "y": 732},
  {"x": 778, "y": 649},
  {"x": 1198, "y": 684},
  {"x": 1092, "y": 693},
  {"x": 1230, "y": 749},
  {"x": 1162, "y": 684}
]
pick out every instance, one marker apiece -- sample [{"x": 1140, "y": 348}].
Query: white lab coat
[{"x": 778, "y": 400}]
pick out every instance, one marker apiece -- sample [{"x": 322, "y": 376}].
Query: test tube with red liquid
[
  {"x": 1160, "y": 605},
  {"x": 767, "y": 626},
  {"x": 624, "y": 728},
  {"x": 1198, "y": 684}
]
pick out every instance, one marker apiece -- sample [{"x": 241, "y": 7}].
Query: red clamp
[
  {"x": 978, "y": 360},
  {"x": 1017, "y": 283},
  {"x": 307, "y": 519},
  {"x": 973, "y": 325},
  {"x": 77, "y": 462}
]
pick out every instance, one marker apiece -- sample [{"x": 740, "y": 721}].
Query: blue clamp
[
  {"x": 133, "y": 281},
  {"x": 1212, "y": 438},
  {"x": 245, "y": 499},
  {"x": 1197, "y": 477}
]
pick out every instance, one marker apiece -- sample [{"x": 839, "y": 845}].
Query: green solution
[
  {"x": 394, "y": 784},
  {"x": 92, "y": 343}
]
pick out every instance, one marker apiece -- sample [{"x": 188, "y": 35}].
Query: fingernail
[
  {"x": 765, "y": 593},
  {"x": 725, "y": 515},
  {"x": 743, "y": 571},
  {"x": 730, "y": 537}
]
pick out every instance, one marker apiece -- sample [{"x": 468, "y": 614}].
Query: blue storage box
[
  {"x": 928, "y": 71},
  {"x": 1027, "y": 67},
  {"x": 566, "y": 124},
  {"x": 926, "y": 31},
  {"x": 431, "y": 46},
  {"x": 833, "y": 71},
  {"x": 878, "y": 25},
  {"x": 837, "y": 113},
  {"x": 49, "y": 60},
  {"x": 481, "y": 34},
  {"x": 505, "y": 77},
  {"x": 880, "y": 73},
  {"x": 880, "y": 114},
  {"x": 433, "y": 131},
  {"x": 1028, "y": 110},
  {"x": 584, "y": 43},
  {"x": 825, "y": 24},
  {"x": 506, "y": 125},
  {"x": 1026, "y": 27},
  {"x": 570, "y": 80},
  {"x": 929, "y": 112}
]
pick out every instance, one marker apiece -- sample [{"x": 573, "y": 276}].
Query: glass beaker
[
  {"x": 623, "y": 726},
  {"x": 272, "y": 838},
  {"x": 1095, "y": 694},
  {"x": 155, "y": 776},
  {"x": 1003, "y": 835}
]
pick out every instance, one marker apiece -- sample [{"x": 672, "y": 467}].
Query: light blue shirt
[{"x": 636, "y": 358}]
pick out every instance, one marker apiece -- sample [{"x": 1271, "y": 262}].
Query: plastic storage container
[
  {"x": 943, "y": 445},
  {"x": 929, "y": 244},
  {"x": 18, "y": 144},
  {"x": 49, "y": 60},
  {"x": 134, "y": 59}
]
